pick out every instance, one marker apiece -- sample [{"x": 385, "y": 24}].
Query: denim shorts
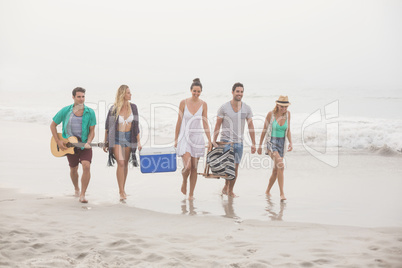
[
  {"x": 238, "y": 150},
  {"x": 277, "y": 145},
  {"x": 123, "y": 138}
]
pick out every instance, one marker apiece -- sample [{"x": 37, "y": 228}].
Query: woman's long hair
[
  {"x": 119, "y": 102},
  {"x": 276, "y": 109}
]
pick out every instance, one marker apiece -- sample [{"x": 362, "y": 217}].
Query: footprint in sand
[
  {"x": 82, "y": 256},
  {"x": 322, "y": 261},
  {"x": 252, "y": 250},
  {"x": 7, "y": 200},
  {"x": 38, "y": 245},
  {"x": 154, "y": 257},
  {"x": 119, "y": 243},
  {"x": 306, "y": 264}
]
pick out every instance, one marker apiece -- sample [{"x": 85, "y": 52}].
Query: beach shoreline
[{"x": 362, "y": 191}]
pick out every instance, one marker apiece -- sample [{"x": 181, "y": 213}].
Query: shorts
[
  {"x": 238, "y": 150},
  {"x": 123, "y": 139},
  {"x": 277, "y": 145},
  {"x": 79, "y": 156}
]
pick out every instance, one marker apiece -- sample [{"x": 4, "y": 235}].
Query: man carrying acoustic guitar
[{"x": 79, "y": 121}]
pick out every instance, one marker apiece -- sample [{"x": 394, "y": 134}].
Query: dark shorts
[
  {"x": 238, "y": 150},
  {"x": 123, "y": 138},
  {"x": 79, "y": 156},
  {"x": 277, "y": 145}
]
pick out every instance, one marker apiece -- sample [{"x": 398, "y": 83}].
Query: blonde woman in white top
[{"x": 122, "y": 136}]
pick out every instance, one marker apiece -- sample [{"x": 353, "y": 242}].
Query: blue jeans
[
  {"x": 278, "y": 145},
  {"x": 238, "y": 150},
  {"x": 123, "y": 138}
]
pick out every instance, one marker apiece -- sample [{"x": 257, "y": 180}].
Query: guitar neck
[{"x": 82, "y": 144}]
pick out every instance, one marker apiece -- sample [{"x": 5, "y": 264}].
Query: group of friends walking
[{"x": 122, "y": 136}]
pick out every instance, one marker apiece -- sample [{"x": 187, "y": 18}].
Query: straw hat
[{"x": 283, "y": 101}]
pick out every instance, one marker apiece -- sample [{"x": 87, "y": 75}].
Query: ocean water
[
  {"x": 365, "y": 119},
  {"x": 370, "y": 126}
]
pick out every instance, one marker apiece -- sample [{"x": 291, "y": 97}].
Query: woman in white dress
[{"x": 189, "y": 139}]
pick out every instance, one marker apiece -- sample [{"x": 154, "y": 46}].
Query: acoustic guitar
[{"x": 70, "y": 143}]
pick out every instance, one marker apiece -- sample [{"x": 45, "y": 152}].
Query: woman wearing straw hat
[{"x": 276, "y": 129}]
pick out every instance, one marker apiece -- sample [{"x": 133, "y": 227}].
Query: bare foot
[
  {"x": 225, "y": 190},
  {"x": 191, "y": 197},
  {"x": 82, "y": 199},
  {"x": 77, "y": 193},
  {"x": 283, "y": 198},
  {"x": 123, "y": 196},
  {"x": 184, "y": 187},
  {"x": 268, "y": 194},
  {"x": 233, "y": 195}
]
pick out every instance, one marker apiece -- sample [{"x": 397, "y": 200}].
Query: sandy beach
[
  {"x": 59, "y": 232},
  {"x": 348, "y": 216}
]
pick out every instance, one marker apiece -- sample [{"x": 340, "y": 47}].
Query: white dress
[{"x": 191, "y": 136}]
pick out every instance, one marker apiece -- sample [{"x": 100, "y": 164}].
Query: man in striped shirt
[{"x": 79, "y": 121}]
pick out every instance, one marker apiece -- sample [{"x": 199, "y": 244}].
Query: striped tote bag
[{"x": 222, "y": 163}]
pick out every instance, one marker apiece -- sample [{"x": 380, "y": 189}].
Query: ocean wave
[
  {"x": 380, "y": 136},
  {"x": 385, "y": 151},
  {"x": 26, "y": 115}
]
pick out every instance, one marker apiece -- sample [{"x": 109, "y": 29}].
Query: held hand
[
  {"x": 290, "y": 147},
  {"x": 61, "y": 145},
  {"x": 87, "y": 146},
  {"x": 106, "y": 146},
  {"x": 259, "y": 151},
  {"x": 209, "y": 146},
  {"x": 253, "y": 149},
  {"x": 215, "y": 144}
]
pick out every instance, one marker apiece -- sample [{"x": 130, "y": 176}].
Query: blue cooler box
[{"x": 156, "y": 160}]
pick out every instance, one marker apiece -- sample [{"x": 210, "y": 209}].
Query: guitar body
[{"x": 56, "y": 151}]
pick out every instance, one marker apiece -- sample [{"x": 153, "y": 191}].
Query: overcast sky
[{"x": 165, "y": 44}]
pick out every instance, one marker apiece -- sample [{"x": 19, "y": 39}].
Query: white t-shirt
[{"x": 233, "y": 123}]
